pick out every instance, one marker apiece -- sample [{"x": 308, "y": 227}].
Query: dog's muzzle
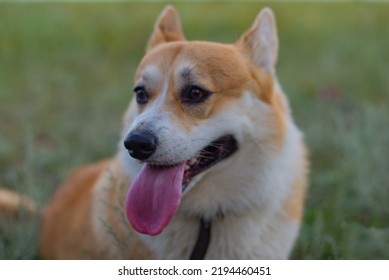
[{"x": 141, "y": 145}]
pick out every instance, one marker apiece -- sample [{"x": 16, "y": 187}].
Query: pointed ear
[
  {"x": 166, "y": 29},
  {"x": 261, "y": 41}
]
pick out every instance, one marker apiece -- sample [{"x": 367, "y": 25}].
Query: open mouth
[
  {"x": 155, "y": 194},
  {"x": 207, "y": 157}
]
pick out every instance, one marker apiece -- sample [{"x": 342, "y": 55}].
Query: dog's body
[{"x": 211, "y": 138}]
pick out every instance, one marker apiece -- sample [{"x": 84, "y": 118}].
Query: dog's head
[{"x": 198, "y": 107}]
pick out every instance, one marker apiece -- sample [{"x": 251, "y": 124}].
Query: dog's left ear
[
  {"x": 261, "y": 41},
  {"x": 167, "y": 28}
]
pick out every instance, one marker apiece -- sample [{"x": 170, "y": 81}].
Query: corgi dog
[{"x": 210, "y": 164}]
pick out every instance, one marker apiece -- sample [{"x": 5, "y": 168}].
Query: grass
[{"x": 66, "y": 77}]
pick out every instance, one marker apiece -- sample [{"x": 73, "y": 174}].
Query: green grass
[{"x": 66, "y": 77}]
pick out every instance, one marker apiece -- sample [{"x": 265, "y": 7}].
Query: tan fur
[
  {"x": 12, "y": 205},
  {"x": 66, "y": 231},
  {"x": 85, "y": 217},
  {"x": 210, "y": 58},
  {"x": 294, "y": 205},
  {"x": 166, "y": 29}
]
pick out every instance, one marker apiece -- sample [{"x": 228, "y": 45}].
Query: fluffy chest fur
[{"x": 208, "y": 135}]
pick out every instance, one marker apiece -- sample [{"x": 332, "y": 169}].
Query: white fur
[
  {"x": 245, "y": 195},
  {"x": 249, "y": 188}
]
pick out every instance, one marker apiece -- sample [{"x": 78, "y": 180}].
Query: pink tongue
[{"x": 154, "y": 197}]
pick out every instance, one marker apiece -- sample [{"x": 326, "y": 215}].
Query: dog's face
[
  {"x": 184, "y": 92},
  {"x": 197, "y": 107}
]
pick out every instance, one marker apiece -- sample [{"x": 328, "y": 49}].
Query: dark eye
[
  {"x": 141, "y": 95},
  {"x": 194, "y": 95}
]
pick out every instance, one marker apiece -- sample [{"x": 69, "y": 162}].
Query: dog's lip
[{"x": 218, "y": 150}]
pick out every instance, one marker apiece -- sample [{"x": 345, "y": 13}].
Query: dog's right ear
[{"x": 166, "y": 29}]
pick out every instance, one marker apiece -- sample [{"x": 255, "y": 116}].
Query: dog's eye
[
  {"x": 194, "y": 94},
  {"x": 141, "y": 95}
]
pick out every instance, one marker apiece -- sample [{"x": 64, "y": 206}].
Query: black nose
[{"x": 141, "y": 145}]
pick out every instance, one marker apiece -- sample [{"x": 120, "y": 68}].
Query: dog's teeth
[
  {"x": 192, "y": 161},
  {"x": 187, "y": 167}
]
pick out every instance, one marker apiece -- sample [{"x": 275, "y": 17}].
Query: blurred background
[{"x": 66, "y": 74}]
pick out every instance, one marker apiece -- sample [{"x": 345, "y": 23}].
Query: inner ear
[
  {"x": 261, "y": 41},
  {"x": 167, "y": 28}
]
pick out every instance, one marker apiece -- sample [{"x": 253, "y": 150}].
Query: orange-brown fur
[
  {"x": 95, "y": 193},
  {"x": 67, "y": 229},
  {"x": 66, "y": 221},
  {"x": 294, "y": 205},
  {"x": 13, "y": 205},
  {"x": 210, "y": 58}
]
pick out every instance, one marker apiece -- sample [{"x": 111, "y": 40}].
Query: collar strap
[{"x": 202, "y": 243}]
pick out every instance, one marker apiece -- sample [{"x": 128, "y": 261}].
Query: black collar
[{"x": 202, "y": 243}]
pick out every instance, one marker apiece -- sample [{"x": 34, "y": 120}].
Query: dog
[{"x": 210, "y": 164}]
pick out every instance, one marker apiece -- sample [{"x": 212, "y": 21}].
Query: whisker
[{"x": 204, "y": 157}]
